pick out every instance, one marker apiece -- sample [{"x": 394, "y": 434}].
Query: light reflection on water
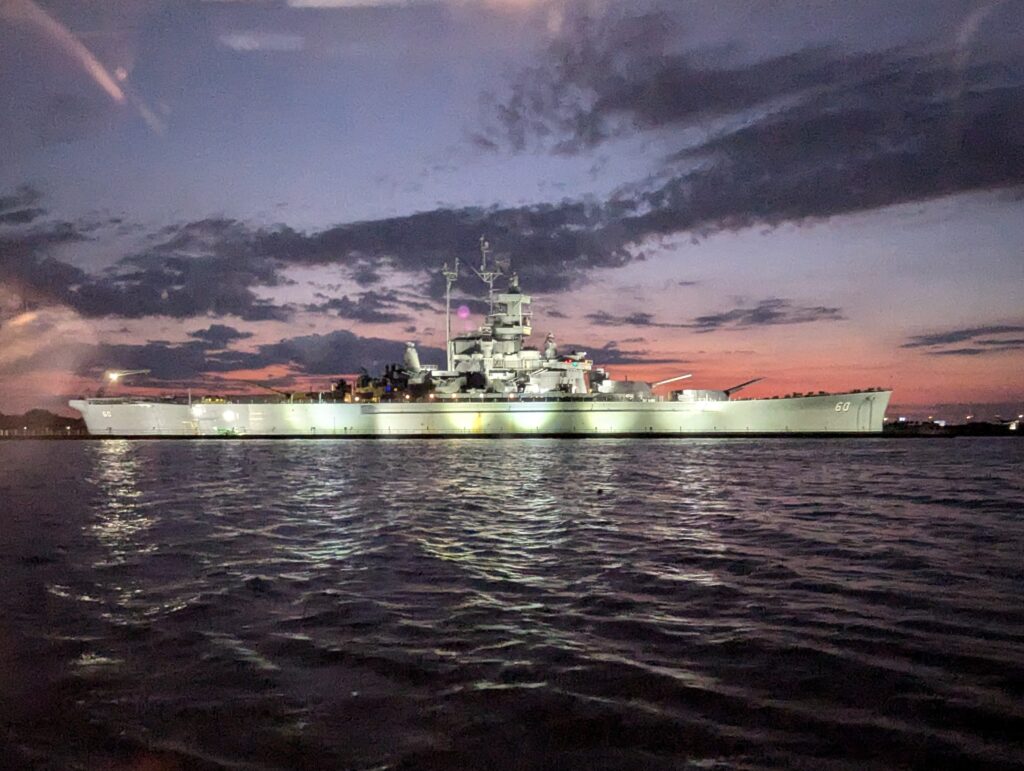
[
  {"x": 445, "y": 603},
  {"x": 119, "y": 523}
]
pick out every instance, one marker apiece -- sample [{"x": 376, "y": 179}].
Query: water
[{"x": 512, "y": 604}]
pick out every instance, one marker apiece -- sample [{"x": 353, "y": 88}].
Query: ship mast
[
  {"x": 450, "y": 275},
  {"x": 487, "y": 276}
]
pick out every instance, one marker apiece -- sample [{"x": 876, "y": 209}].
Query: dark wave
[{"x": 512, "y": 604}]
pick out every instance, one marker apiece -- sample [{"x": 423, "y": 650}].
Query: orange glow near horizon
[{"x": 914, "y": 389}]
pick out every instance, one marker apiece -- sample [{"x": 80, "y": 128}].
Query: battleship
[{"x": 492, "y": 384}]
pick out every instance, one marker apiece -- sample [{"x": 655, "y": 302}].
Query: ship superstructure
[
  {"x": 494, "y": 361},
  {"x": 491, "y": 384}
]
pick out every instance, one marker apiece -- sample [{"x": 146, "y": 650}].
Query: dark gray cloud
[
  {"x": 181, "y": 287},
  {"x": 853, "y": 133},
  {"x": 610, "y": 354},
  {"x": 623, "y": 72},
  {"x": 220, "y": 236},
  {"x": 214, "y": 265},
  {"x": 805, "y": 134},
  {"x": 201, "y": 362},
  {"x": 842, "y": 133},
  {"x": 19, "y": 208},
  {"x": 195, "y": 363},
  {"x": 639, "y": 319},
  {"x": 20, "y": 216},
  {"x": 27, "y": 266},
  {"x": 961, "y": 335},
  {"x": 24, "y": 195},
  {"x": 365, "y": 274},
  {"x": 334, "y": 353},
  {"x": 810, "y": 134},
  {"x": 219, "y": 335},
  {"x": 817, "y": 133},
  {"x": 181, "y": 276},
  {"x": 369, "y": 307},
  {"x": 970, "y": 341},
  {"x": 818, "y": 160},
  {"x": 552, "y": 245},
  {"x": 165, "y": 361},
  {"x": 770, "y": 312},
  {"x": 976, "y": 351}
]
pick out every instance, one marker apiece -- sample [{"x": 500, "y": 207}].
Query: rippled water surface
[{"x": 512, "y": 604}]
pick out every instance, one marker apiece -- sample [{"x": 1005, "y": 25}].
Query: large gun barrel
[
  {"x": 741, "y": 386},
  {"x": 671, "y": 380}
]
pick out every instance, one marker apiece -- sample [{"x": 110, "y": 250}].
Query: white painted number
[{"x": 842, "y": 406}]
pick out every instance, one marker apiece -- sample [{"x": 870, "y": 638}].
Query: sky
[{"x": 827, "y": 195}]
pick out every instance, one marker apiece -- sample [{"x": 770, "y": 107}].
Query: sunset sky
[{"x": 829, "y": 195}]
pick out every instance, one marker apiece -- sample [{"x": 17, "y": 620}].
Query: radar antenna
[{"x": 450, "y": 276}]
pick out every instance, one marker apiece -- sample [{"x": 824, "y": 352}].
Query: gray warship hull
[{"x": 853, "y": 413}]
